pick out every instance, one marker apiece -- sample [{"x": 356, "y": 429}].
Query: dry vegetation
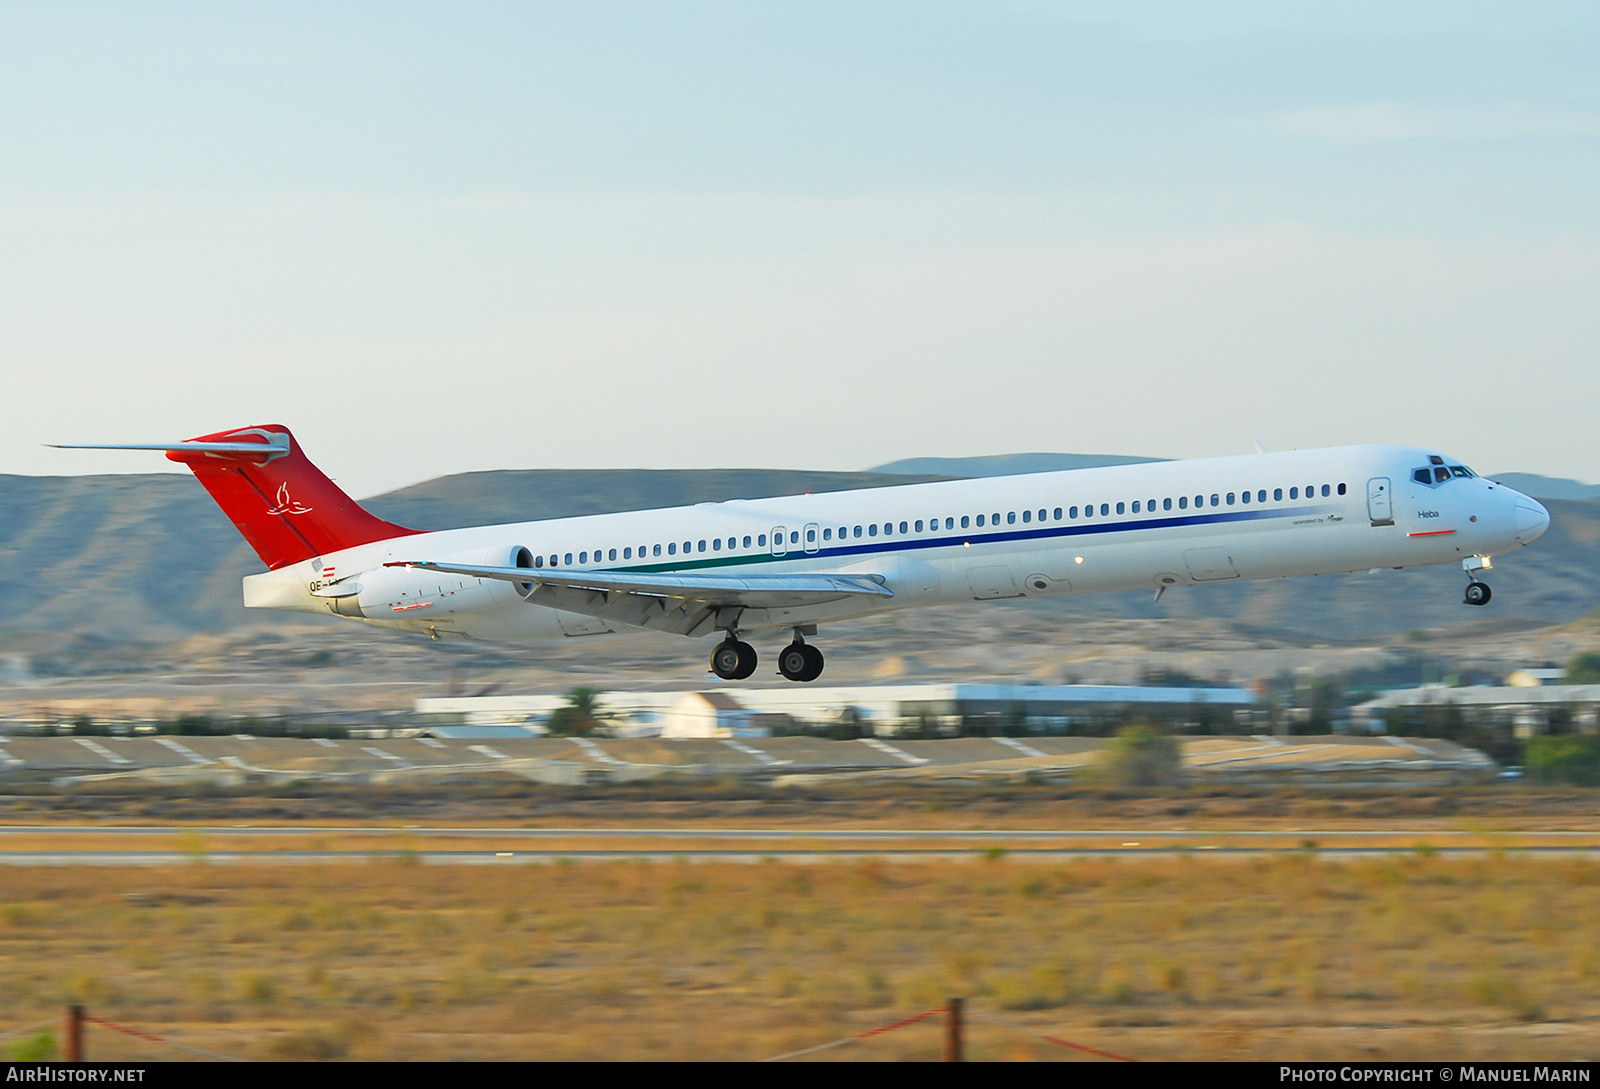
[{"x": 1409, "y": 956}]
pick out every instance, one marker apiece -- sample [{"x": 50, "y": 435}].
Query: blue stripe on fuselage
[{"x": 909, "y": 544}]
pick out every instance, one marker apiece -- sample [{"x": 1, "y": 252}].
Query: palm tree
[{"x": 578, "y": 717}]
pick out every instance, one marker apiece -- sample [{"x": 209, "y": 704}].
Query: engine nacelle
[{"x": 417, "y": 593}]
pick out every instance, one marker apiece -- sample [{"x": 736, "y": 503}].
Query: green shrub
[
  {"x": 1568, "y": 758},
  {"x": 1142, "y": 756}
]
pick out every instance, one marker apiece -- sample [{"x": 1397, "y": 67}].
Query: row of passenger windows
[{"x": 950, "y": 522}]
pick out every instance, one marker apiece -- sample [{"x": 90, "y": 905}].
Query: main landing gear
[
  {"x": 1478, "y": 593},
  {"x": 734, "y": 660}
]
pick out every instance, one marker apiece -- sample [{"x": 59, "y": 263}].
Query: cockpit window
[{"x": 1440, "y": 473}]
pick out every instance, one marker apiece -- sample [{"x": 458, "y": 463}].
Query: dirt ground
[{"x": 1409, "y": 955}]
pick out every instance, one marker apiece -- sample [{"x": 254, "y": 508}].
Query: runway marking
[
  {"x": 100, "y": 750},
  {"x": 373, "y": 750},
  {"x": 492, "y": 754},
  {"x": 433, "y": 743},
  {"x": 596, "y": 752},
  {"x": 1401, "y": 742},
  {"x": 326, "y": 743},
  {"x": 1024, "y": 749},
  {"x": 899, "y": 754},
  {"x": 765, "y": 757},
  {"x": 182, "y": 750}
]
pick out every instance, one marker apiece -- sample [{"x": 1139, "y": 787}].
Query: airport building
[
  {"x": 924, "y": 710},
  {"x": 1525, "y": 709}
]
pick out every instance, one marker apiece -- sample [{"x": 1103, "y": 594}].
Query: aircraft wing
[{"x": 685, "y": 604}]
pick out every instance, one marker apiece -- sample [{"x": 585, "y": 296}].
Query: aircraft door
[
  {"x": 812, "y": 538},
  {"x": 1380, "y": 504},
  {"x": 780, "y": 540}
]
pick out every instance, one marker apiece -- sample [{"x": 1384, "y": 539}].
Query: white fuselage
[{"x": 1125, "y": 527}]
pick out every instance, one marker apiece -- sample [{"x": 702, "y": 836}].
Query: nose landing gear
[
  {"x": 800, "y": 661},
  {"x": 733, "y": 660},
  {"x": 1478, "y": 593}
]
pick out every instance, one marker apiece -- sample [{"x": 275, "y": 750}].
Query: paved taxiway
[{"x": 150, "y": 845}]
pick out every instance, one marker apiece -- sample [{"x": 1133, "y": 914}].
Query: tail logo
[{"x": 287, "y": 505}]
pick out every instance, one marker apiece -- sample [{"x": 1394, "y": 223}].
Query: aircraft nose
[{"x": 1532, "y": 519}]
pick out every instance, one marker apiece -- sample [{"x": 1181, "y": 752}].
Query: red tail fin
[{"x": 284, "y": 505}]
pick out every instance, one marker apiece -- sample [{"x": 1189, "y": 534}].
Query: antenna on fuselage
[{"x": 1260, "y": 449}]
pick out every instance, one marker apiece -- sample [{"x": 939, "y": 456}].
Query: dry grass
[{"x": 1409, "y": 956}]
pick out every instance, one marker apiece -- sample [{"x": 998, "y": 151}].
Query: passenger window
[
  {"x": 888, "y": 529},
  {"x": 980, "y": 519},
  {"x": 1294, "y": 493},
  {"x": 1011, "y": 517},
  {"x": 1183, "y": 502},
  {"x": 1073, "y": 513},
  {"x": 716, "y": 544},
  {"x": 1230, "y": 499},
  {"x": 903, "y": 526},
  {"x": 1121, "y": 508},
  {"x": 950, "y": 523},
  {"x": 1216, "y": 500},
  {"x": 918, "y": 525},
  {"x": 1341, "y": 489},
  {"x": 1277, "y": 495},
  {"x": 583, "y": 557},
  {"x": 1244, "y": 496},
  {"x": 1105, "y": 509},
  {"x": 1058, "y": 513},
  {"x": 1261, "y": 496},
  {"x": 811, "y": 536},
  {"x": 672, "y": 548},
  {"x": 627, "y": 553},
  {"x": 762, "y": 540},
  {"x": 1027, "y": 516},
  {"x": 1166, "y": 504},
  {"x": 827, "y": 534},
  {"x": 1325, "y": 491},
  {"x": 995, "y": 518},
  {"x": 858, "y": 531},
  {"x": 686, "y": 547},
  {"x": 872, "y": 530},
  {"x": 538, "y": 561},
  {"x": 963, "y": 521}
]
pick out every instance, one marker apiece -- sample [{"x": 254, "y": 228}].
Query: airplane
[{"x": 761, "y": 566}]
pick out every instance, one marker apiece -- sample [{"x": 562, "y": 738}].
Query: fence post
[
  {"x": 72, "y": 1035},
  {"x": 952, "y": 1031}
]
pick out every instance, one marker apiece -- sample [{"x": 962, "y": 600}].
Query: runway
[{"x": 157, "y": 845}]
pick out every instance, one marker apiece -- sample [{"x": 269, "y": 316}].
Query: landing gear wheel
[
  {"x": 732, "y": 660},
  {"x": 800, "y": 662},
  {"x": 1478, "y": 593}
]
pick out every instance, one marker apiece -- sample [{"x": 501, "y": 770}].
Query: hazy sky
[{"x": 441, "y": 237}]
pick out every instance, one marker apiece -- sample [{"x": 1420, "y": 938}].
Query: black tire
[
  {"x": 1478, "y": 593},
  {"x": 747, "y": 661},
  {"x": 793, "y": 661},
  {"x": 726, "y": 660},
  {"x": 813, "y": 664}
]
